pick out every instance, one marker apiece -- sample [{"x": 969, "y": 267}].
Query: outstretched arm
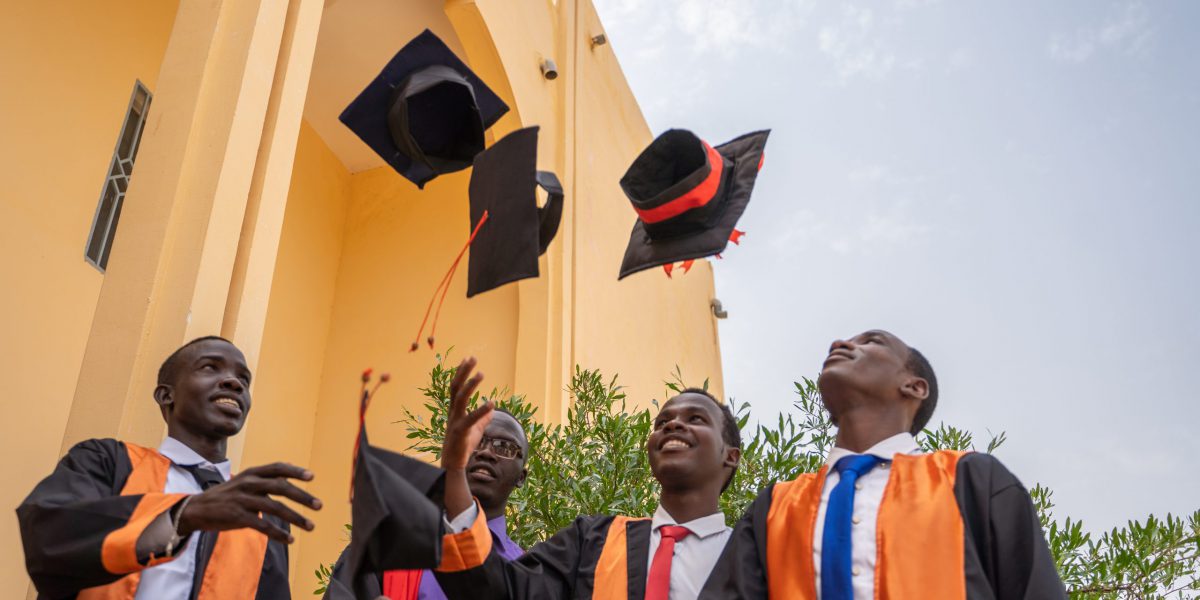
[{"x": 463, "y": 431}]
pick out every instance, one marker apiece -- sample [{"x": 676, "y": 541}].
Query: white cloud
[
  {"x": 1127, "y": 32},
  {"x": 718, "y": 27},
  {"x": 961, "y": 59},
  {"x": 855, "y": 47}
]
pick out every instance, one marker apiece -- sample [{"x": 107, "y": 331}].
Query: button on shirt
[
  {"x": 868, "y": 494},
  {"x": 695, "y": 555},
  {"x": 172, "y": 580}
]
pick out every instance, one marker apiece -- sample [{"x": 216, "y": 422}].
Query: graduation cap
[
  {"x": 396, "y": 523},
  {"x": 503, "y": 185},
  {"x": 425, "y": 113},
  {"x": 503, "y": 195},
  {"x": 688, "y": 197}
]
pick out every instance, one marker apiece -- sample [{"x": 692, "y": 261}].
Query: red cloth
[
  {"x": 658, "y": 584},
  {"x": 402, "y": 585}
]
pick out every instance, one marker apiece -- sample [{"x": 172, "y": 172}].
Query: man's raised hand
[
  {"x": 464, "y": 429},
  {"x": 237, "y": 503}
]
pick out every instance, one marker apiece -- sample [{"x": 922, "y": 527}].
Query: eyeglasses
[{"x": 501, "y": 448}]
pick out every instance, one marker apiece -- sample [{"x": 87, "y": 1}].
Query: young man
[
  {"x": 881, "y": 519},
  {"x": 693, "y": 449},
  {"x": 496, "y": 468},
  {"x": 119, "y": 521}
]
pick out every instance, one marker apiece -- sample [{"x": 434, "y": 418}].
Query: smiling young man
[
  {"x": 119, "y": 521},
  {"x": 693, "y": 449},
  {"x": 881, "y": 519}
]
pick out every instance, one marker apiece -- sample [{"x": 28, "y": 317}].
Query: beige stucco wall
[
  {"x": 66, "y": 73},
  {"x": 288, "y": 382}
]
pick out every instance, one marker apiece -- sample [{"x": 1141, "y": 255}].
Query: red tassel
[
  {"x": 736, "y": 236},
  {"x": 718, "y": 255},
  {"x": 668, "y": 268},
  {"x": 762, "y": 157},
  {"x": 687, "y": 265},
  {"x": 365, "y": 397},
  {"x": 444, "y": 286}
]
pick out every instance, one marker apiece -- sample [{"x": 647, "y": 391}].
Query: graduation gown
[
  {"x": 597, "y": 557},
  {"x": 80, "y": 525},
  {"x": 951, "y": 525}
]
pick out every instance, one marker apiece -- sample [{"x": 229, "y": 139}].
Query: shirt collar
[
  {"x": 499, "y": 528},
  {"x": 183, "y": 456},
  {"x": 701, "y": 528},
  {"x": 901, "y": 443}
]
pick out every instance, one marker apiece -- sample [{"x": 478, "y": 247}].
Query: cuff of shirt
[{"x": 463, "y": 521}]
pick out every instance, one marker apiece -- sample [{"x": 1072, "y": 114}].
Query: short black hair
[
  {"x": 167, "y": 371},
  {"x": 521, "y": 426},
  {"x": 919, "y": 366},
  {"x": 730, "y": 432}
]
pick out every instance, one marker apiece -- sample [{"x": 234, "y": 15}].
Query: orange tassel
[{"x": 444, "y": 287}]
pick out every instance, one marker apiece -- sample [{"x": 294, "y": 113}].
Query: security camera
[
  {"x": 549, "y": 69},
  {"x": 718, "y": 310}
]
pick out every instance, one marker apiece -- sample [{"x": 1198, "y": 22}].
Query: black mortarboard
[
  {"x": 426, "y": 112},
  {"x": 509, "y": 231},
  {"x": 503, "y": 184},
  {"x": 396, "y": 523},
  {"x": 688, "y": 196}
]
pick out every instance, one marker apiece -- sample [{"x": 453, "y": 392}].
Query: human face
[
  {"x": 492, "y": 478},
  {"x": 210, "y": 395},
  {"x": 873, "y": 363},
  {"x": 685, "y": 448}
]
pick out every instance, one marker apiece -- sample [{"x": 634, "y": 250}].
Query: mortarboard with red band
[{"x": 688, "y": 196}]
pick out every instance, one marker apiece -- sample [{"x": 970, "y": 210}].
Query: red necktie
[{"x": 658, "y": 585}]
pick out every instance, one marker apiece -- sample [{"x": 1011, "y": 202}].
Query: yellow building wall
[
  {"x": 66, "y": 73},
  {"x": 399, "y": 241},
  {"x": 288, "y": 381}
]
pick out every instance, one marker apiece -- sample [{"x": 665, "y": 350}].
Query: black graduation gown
[
  {"x": 397, "y": 522},
  {"x": 66, "y": 519},
  {"x": 1005, "y": 555},
  {"x": 575, "y": 563}
]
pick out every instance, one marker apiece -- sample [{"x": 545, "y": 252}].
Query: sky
[{"x": 1011, "y": 187}]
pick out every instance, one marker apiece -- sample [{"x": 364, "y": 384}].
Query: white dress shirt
[
  {"x": 868, "y": 493},
  {"x": 173, "y": 579},
  {"x": 695, "y": 555}
]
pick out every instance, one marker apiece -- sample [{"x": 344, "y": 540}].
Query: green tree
[{"x": 595, "y": 463}]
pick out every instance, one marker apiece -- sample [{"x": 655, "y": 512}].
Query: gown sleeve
[
  {"x": 742, "y": 572},
  {"x": 548, "y": 571},
  {"x": 1002, "y": 530},
  {"x": 78, "y": 531}
]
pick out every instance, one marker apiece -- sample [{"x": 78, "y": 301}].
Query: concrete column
[{"x": 171, "y": 269}]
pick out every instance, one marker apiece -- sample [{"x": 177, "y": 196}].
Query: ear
[
  {"x": 164, "y": 395},
  {"x": 521, "y": 479},
  {"x": 733, "y": 457},
  {"x": 915, "y": 388}
]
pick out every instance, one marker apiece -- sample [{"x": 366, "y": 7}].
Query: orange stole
[
  {"x": 919, "y": 533},
  {"x": 611, "y": 581},
  {"x": 236, "y": 562}
]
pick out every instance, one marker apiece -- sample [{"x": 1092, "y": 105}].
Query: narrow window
[{"x": 112, "y": 195}]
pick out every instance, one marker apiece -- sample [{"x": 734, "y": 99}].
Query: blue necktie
[{"x": 835, "y": 541}]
